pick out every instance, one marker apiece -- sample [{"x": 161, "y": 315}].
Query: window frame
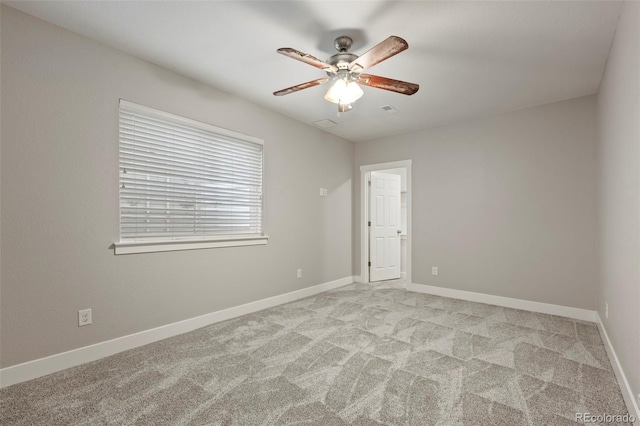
[{"x": 159, "y": 244}]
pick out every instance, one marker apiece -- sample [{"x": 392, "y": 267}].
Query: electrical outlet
[
  {"x": 606, "y": 310},
  {"x": 84, "y": 317},
  {"x": 434, "y": 270},
  {"x": 325, "y": 192},
  {"x": 299, "y": 273}
]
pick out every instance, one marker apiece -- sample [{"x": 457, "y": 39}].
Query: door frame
[{"x": 365, "y": 175}]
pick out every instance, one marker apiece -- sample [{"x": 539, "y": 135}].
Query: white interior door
[{"x": 384, "y": 232}]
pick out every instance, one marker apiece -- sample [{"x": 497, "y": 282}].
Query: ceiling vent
[
  {"x": 389, "y": 109},
  {"x": 323, "y": 124}
]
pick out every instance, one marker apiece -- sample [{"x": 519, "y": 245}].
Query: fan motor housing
[{"x": 342, "y": 59}]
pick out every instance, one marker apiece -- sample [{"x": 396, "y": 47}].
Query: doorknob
[{"x": 399, "y": 231}]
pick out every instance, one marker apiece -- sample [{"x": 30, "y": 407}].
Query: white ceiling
[{"x": 470, "y": 58}]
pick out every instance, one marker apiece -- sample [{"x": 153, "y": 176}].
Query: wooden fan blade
[
  {"x": 301, "y": 86},
  {"x": 306, "y": 58},
  {"x": 388, "y": 84},
  {"x": 378, "y": 53}
]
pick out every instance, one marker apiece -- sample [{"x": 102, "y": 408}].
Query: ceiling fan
[{"x": 344, "y": 70}]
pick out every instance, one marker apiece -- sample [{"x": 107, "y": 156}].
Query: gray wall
[
  {"x": 59, "y": 198},
  {"x": 503, "y": 205},
  {"x": 618, "y": 109}
]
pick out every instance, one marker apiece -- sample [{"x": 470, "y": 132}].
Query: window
[{"x": 186, "y": 184}]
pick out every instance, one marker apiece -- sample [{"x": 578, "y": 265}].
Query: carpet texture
[{"x": 361, "y": 354}]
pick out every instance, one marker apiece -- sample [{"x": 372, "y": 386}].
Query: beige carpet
[{"x": 361, "y": 354}]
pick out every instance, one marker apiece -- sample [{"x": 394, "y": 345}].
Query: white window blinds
[{"x": 182, "y": 179}]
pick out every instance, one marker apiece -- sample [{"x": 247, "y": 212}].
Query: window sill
[{"x": 131, "y": 247}]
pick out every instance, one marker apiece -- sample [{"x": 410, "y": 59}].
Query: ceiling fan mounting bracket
[{"x": 343, "y": 43}]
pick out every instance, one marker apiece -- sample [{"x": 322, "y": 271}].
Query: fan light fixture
[{"x": 344, "y": 92}]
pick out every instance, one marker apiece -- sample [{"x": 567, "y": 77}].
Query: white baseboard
[
  {"x": 545, "y": 308},
  {"x": 627, "y": 393},
  {"x": 43, "y": 366},
  {"x": 357, "y": 279}
]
